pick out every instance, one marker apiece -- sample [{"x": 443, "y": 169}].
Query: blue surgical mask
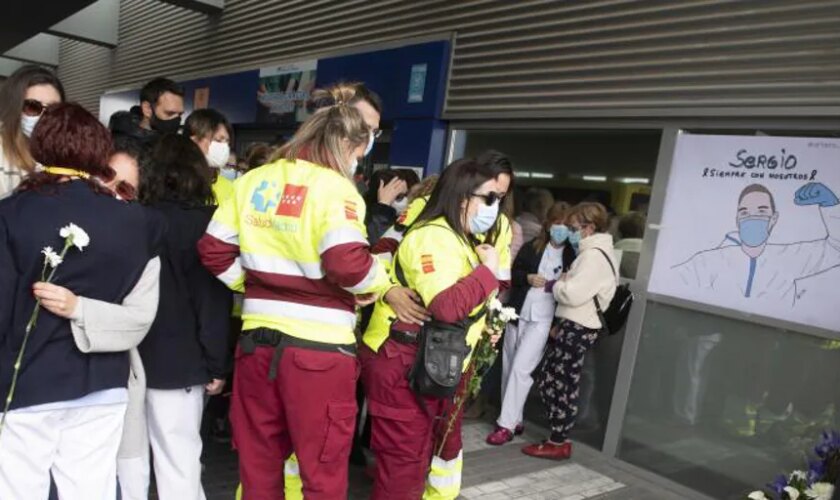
[
  {"x": 754, "y": 231},
  {"x": 574, "y": 238},
  {"x": 229, "y": 173},
  {"x": 484, "y": 219},
  {"x": 559, "y": 233},
  {"x": 369, "y": 147}
]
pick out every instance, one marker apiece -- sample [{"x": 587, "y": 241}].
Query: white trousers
[
  {"x": 174, "y": 422},
  {"x": 77, "y": 445},
  {"x": 523, "y": 349},
  {"x": 133, "y": 474}
]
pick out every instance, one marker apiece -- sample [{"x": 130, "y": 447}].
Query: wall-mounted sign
[
  {"x": 417, "y": 82},
  {"x": 283, "y": 91},
  {"x": 753, "y": 224},
  {"x": 201, "y": 98}
]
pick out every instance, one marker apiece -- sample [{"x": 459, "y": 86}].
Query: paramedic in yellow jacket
[
  {"x": 454, "y": 273},
  {"x": 501, "y": 234},
  {"x": 292, "y": 238}
]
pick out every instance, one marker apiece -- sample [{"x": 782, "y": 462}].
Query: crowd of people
[{"x": 274, "y": 280}]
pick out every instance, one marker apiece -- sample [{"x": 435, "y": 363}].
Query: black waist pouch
[{"x": 441, "y": 352}]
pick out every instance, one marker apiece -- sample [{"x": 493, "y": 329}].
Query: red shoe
[
  {"x": 550, "y": 451},
  {"x": 520, "y": 429},
  {"x": 500, "y": 436}
]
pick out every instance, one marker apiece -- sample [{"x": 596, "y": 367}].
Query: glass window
[{"x": 723, "y": 406}]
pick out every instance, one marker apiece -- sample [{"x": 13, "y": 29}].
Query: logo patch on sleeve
[
  {"x": 291, "y": 203},
  {"x": 350, "y": 211},
  {"x": 428, "y": 264}
]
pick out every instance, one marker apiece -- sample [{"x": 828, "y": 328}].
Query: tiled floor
[{"x": 492, "y": 473}]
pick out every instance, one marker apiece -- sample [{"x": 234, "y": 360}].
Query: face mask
[
  {"x": 218, "y": 154},
  {"x": 574, "y": 238},
  {"x": 228, "y": 173},
  {"x": 754, "y": 231},
  {"x": 27, "y": 124},
  {"x": 484, "y": 219},
  {"x": 351, "y": 169},
  {"x": 400, "y": 205},
  {"x": 170, "y": 126},
  {"x": 559, "y": 233},
  {"x": 370, "y": 144}
]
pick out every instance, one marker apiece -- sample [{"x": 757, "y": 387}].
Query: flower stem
[
  {"x": 33, "y": 319},
  {"x": 459, "y": 398}
]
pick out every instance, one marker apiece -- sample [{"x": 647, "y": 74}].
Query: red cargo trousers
[
  {"x": 309, "y": 409},
  {"x": 403, "y": 433}
]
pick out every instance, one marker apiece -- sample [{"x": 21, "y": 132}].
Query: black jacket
[
  {"x": 528, "y": 262},
  {"x": 378, "y": 219},
  {"x": 124, "y": 123},
  {"x": 123, "y": 238},
  {"x": 188, "y": 343}
]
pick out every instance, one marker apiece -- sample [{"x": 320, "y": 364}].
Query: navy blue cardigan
[
  {"x": 188, "y": 343},
  {"x": 123, "y": 238}
]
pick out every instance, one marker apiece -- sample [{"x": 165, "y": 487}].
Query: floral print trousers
[{"x": 559, "y": 376}]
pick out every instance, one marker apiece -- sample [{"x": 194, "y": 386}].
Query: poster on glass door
[
  {"x": 283, "y": 92},
  {"x": 752, "y": 223}
]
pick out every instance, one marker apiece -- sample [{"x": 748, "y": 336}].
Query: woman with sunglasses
[
  {"x": 445, "y": 261},
  {"x": 67, "y": 413},
  {"x": 23, "y": 98},
  {"x": 590, "y": 281}
]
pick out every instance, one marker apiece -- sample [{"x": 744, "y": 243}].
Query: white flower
[
  {"x": 792, "y": 492},
  {"x": 820, "y": 491},
  {"x": 77, "y": 236},
  {"x": 508, "y": 314},
  {"x": 798, "y": 475},
  {"x": 495, "y": 305},
  {"x": 757, "y": 495},
  {"x": 50, "y": 257}
]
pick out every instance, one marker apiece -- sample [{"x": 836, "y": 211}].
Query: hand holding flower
[{"x": 56, "y": 299}]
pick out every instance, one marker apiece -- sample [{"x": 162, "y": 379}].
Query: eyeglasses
[
  {"x": 377, "y": 133},
  {"x": 31, "y": 107},
  {"x": 489, "y": 198}
]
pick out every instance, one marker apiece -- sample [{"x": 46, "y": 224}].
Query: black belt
[
  {"x": 411, "y": 338},
  {"x": 251, "y": 339}
]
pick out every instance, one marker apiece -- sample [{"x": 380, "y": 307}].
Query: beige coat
[{"x": 590, "y": 275}]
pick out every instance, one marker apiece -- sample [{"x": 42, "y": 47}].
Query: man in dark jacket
[{"x": 159, "y": 112}]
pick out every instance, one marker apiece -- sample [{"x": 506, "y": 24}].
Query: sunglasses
[
  {"x": 31, "y": 107},
  {"x": 489, "y": 198}
]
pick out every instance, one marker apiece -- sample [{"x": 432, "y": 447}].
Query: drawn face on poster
[
  {"x": 753, "y": 224},
  {"x": 283, "y": 92}
]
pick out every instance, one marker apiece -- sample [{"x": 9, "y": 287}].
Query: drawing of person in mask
[{"x": 749, "y": 265}]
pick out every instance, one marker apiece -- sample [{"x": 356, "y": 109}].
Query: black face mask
[{"x": 170, "y": 126}]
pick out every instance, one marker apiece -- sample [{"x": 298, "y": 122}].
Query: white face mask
[
  {"x": 369, "y": 147},
  {"x": 218, "y": 154},
  {"x": 400, "y": 205},
  {"x": 351, "y": 169},
  {"x": 27, "y": 124}
]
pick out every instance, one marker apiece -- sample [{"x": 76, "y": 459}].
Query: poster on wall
[
  {"x": 283, "y": 91},
  {"x": 753, "y": 224}
]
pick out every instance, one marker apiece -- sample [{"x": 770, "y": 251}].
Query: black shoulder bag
[
  {"x": 614, "y": 317},
  {"x": 442, "y": 349}
]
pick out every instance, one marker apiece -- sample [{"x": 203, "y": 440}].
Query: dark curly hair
[
  {"x": 178, "y": 172},
  {"x": 138, "y": 152},
  {"x": 68, "y": 136}
]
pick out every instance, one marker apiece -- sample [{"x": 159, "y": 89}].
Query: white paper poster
[{"x": 753, "y": 224}]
